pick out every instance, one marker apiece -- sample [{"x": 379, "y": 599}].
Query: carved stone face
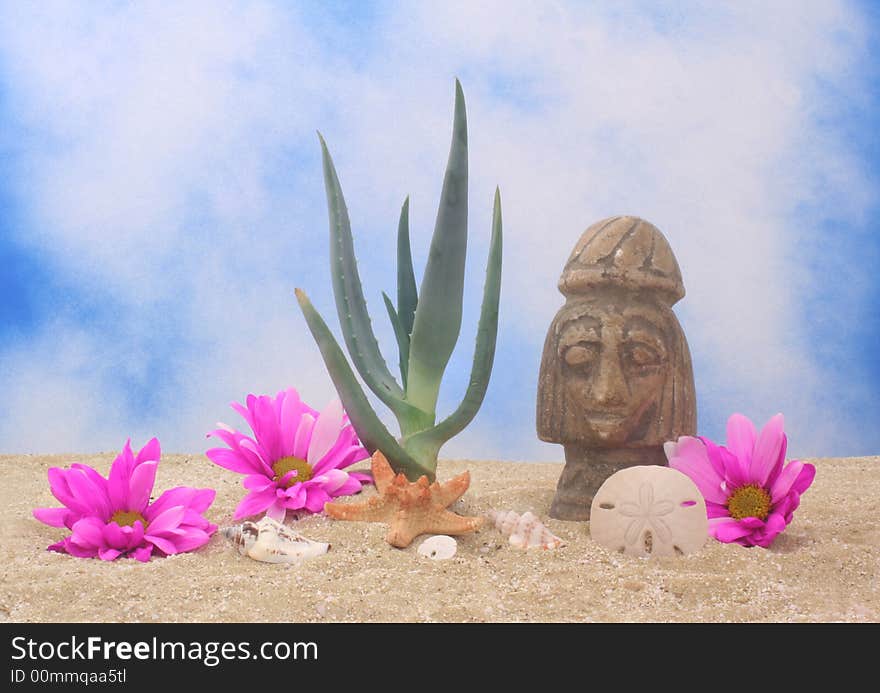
[
  {"x": 616, "y": 380},
  {"x": 615, "y": 361}
]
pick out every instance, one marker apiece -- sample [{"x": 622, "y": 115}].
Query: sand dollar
[
  {"x": 649, "y": 510},
  {"x": 439, "y": 547}
]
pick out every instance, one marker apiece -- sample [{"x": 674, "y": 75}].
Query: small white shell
[
  {"x": 524, "y": 531},
  {"x": 438, "y": 548},
  {"x": 272, "y": 542},
  {"x": 649, "y": 510}
]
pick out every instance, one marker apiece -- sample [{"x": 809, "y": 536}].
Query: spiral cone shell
[
  {"x": 272, "y": 542},
  {"x": 524, "y": 531}
]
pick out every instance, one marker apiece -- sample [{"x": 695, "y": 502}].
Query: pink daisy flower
[
  {"x": 297, "y": 457},
  {"x": 113, "y": 517},
  {"x": 750, "y": 492}
]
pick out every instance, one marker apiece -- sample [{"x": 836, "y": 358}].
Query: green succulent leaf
[
  {"x": 402, "y": 337},
  {"x": 484, "y": 351},
  {"x": 437, "y": 321},
  {"x": 370, "y": 429},
  {"x": 350, "y": 303},
  {"x": 407, "y": 293}
]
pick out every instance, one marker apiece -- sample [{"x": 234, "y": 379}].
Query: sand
[{"x": 825, "y": 567}]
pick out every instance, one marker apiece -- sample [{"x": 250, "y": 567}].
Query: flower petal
[
  {"x": 303, "y": 436},
  {"x": 332, "y": 479},
  {"x": 196, "y": 499},
  {"x": 97, "y": 480},
  {"x": 729, "y": 531},
  {"x": 164, "y": 545},
  {"x": 777, "y": 466},
  {"x": 117, "y": 482},
  {"x": 257, "y": 482},
  {"x": 296, "y": 496},
  {"x": 342, "y": 454},
  {"x": 741, "y": 437},
  {"x": 191, "y": 539},
  {"x": 764, "y": 537},
  {"x": 54, "y": 517},
  {"x": 93, "y": 496},
  {"x": 326, "y": 432},
  {"x": 79, "y": 551},
  {"x": 58, "y": 546},
  {"x": 151, "y": 452},
  {"x": 714, "y": 510},
  {"x": 276, "y": 512},
  {"x": 112, "y": 535},
  {"x": 788, "y": 505},
  {"x": 291, "y": 411},
  {"x": 246, "y": 410},
  {"x": 233, "y": 460},
  {"x": 785, "y": 480},
  {"x": 108, "y": 554},
  {"x": 766, "y": 453},
  {"x": 124, "y": 538},
  {"x": 167, "y": 520},
  {"x": 315, "y": 499},
  {"x": 88, "y": 532},
  {"x": 267, "y": 431},
  {"x": 255, "y": 502},
  {"x": 691, "y": 459},
  {"x": 143, "y": 553},
  {"x": 805, "y": 478},
  {"x": 350, "y": 487},
  {"x": 725, "y": 464},
  {"x": 140, "y": 486},
  {"x": 61, "y": 490}
]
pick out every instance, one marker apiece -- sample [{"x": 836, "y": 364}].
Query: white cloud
[{"x": 178, "y": 167}]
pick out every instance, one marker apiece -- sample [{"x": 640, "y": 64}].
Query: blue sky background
[{"x": 161, "y": 196}]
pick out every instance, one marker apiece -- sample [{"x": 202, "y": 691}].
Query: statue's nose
[{"x": 609, "y": 385}]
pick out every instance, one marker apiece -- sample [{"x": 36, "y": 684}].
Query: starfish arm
[
  {"x": 400, "y": 535},
  {"x": 447, "y": 493},
  {"x": 382, "y": 472},
  {"x": 375, "y": 509},
  {"x": 450, "y": 523}
]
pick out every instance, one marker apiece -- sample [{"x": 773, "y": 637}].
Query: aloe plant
[{"x": 426, "y": 321}]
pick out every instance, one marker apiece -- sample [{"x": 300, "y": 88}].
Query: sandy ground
[{"x": 825, "y": 567}]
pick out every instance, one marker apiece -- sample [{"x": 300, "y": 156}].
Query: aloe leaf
[
  {"x": 370, "y": 429},
  {"x": 407, "y": 294},
  {"x": 350, "y": 303},
  {"x": 437, "y": 321},
  {"x": 484, "y": 351},
  {"x": 402, "y": 337}
]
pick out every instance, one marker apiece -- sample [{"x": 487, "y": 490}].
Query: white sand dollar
[
  {"x": 439, "y": 547},
  {"x": 649, "y": 510}
]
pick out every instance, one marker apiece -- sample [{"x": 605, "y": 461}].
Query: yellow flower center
[
  {"x": 127, "y": 518},
  {"x": 287, "y": 464},
  {"x": 749, "y": 501}
]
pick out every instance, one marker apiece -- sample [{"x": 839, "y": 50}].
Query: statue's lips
[{"x": 607, "y": 418}]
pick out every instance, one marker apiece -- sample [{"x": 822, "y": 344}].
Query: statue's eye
[
  {"x": 643, "y": 354},
  {"x": 581, "y": 355}
]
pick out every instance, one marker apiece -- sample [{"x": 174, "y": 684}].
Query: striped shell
[
  {"x": 524, "y": 531},
  {"x": 272, "y": 542}
]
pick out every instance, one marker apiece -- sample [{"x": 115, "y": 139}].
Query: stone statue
[{"x": 616, "y": 379}]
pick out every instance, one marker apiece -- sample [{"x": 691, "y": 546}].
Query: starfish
[{"x": 409, "y": 508}]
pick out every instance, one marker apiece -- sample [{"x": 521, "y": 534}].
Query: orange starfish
[{"x": 409, "y": 508}]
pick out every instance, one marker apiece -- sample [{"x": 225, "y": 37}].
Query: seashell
[
  {"x": 649, "y": 510},
  {"x": 439, "y": 547},
  {"x": 272, "y": 542},
  {"x": 524, "y": 531}
]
